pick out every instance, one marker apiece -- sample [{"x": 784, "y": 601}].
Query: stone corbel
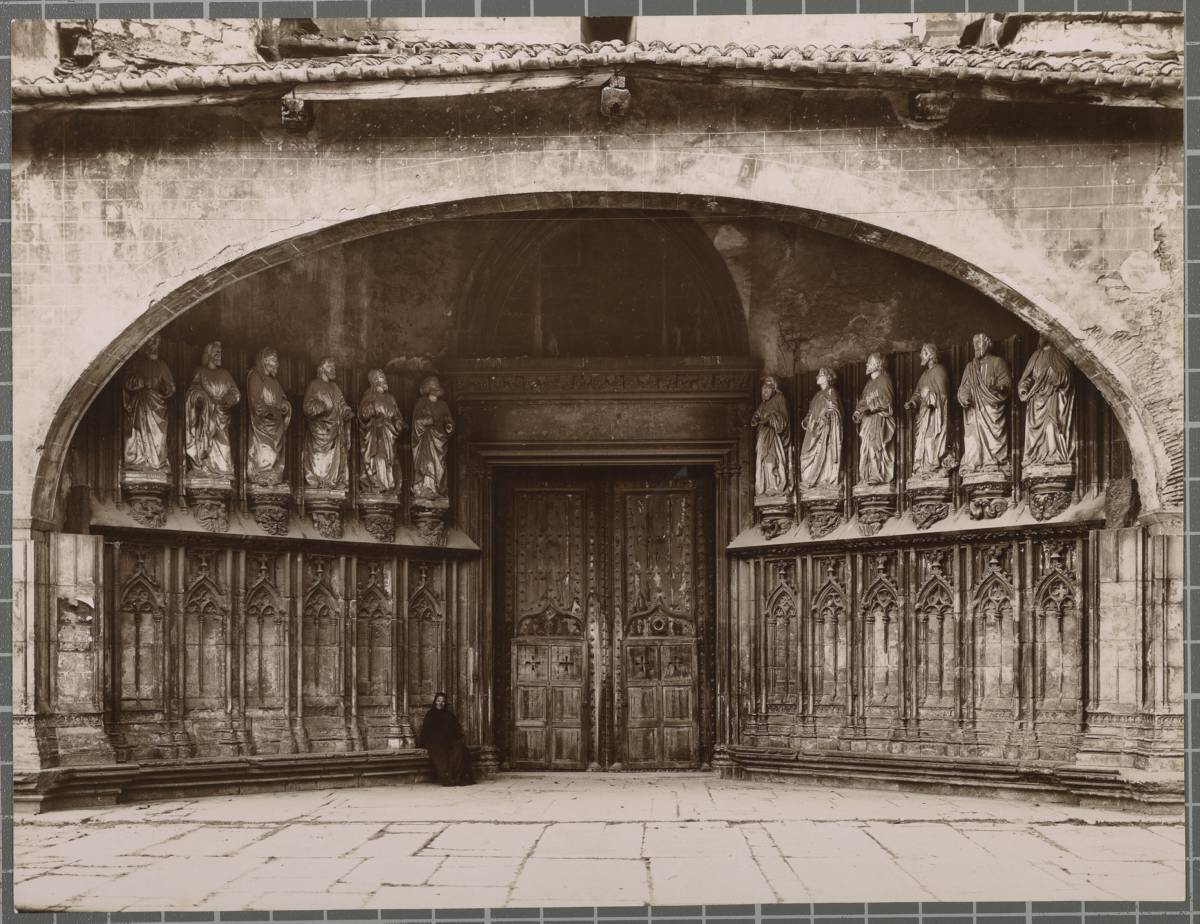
[
  {"x": 922, "y": 110},
  {"x": 614, "y": 98},
  {"x": 297, "y": 115}
]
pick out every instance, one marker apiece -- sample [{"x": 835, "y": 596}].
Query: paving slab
[
  {"x": 1109, "y": 843},
  {"x": 488, "y": 872},
  {"x": 380, "y": 872},
  {"x": 303, "y": 839},
  {"x": 591, "y": 839},
  {"x": 694, "y": 839},
  {"x": 500, "y": 840},
  {"x": 555, "y": 881},
  {"x": 708, "y": 880}
]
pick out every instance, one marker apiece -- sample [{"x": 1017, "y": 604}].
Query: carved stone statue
[
  {"x": 772, "y": 469},
  {"x": 931, "y": 403},
  {"x": 821, "y": 451},
  {"x": 327, "y": 439},
  {"x": 432, "y": 426},
  {"x": 210, "y": 397},
  {"x": 270, "y": 416},
  {"x": 381, "y": 422},
  {"x": 1048, "y": 389},
  {"x": 147, "y": 386},
  {"x": 984, "y": 393},
  {"x": 876, "y": 421}
]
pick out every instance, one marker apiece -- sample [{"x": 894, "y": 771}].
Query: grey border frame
[{"x": 821, "y": 913}]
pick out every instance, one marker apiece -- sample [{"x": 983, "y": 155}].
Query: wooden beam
[{"x": 425, "y": 87}]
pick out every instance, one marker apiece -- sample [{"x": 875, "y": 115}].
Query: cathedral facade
[{"x": 769, "y": 400}]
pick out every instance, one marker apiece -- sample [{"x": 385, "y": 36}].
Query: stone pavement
[{"x": 588, "y": 839}]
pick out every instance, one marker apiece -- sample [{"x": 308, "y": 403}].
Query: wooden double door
[{"x": 605, "y": 590}]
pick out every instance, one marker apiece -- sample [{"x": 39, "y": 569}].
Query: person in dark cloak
[{"x": 442, "y": 736}]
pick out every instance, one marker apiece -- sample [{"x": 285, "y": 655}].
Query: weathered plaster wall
[{"x": 1071, "y": 216}]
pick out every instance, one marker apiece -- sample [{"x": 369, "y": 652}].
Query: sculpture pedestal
[
  {"x": 269, "y": 504},
  {"x": 1049, "y": 489},
  {"x": 429, "y": 518},
  {"x": 776, "y": 513},
  {"x": 324, "y": 505},
  {"x": 929, "y": 499},
  {"x": 989, "y": 492},
  {"x": 823, "y": 509},
  {"x": 208, "y": 496},
  {"x": 145, "y": 493},
  {"x": 378, "y": 513},
  {"x": 875, "y": 504}
]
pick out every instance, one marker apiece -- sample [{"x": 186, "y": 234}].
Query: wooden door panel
[
  {"x": 679, "y": 704},
  {"x": 642, "y": 747},
  {"x": 643, "y": 706},
  {"x": 679, "y": 745}
]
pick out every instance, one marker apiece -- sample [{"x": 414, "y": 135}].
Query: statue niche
[
  {"x": 380, "y": 423},
  {"x": 146, "y": 386},
  {"x": 874, "y": 493},
  {"x": 326, "y": 456},
  {"x": 932, "y": 461},
  {"x": 1047, "y": 388},
  {"x": 773, "y": 461},
  {"x": 432, "y": 427},
  {"x": 821, "y": 457},
  {"x": 270, "y": 417},
  {"x": 983, "y": 394},
  {"x": 210, "y": 398}
]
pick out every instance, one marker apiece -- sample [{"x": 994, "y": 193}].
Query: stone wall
[{"x": 1070, "y": 217}]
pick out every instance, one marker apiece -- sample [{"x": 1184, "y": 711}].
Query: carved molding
[{"x": 527, "y": 384}]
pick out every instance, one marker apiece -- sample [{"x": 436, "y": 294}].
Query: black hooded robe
[{"x": 442, "y": 736}]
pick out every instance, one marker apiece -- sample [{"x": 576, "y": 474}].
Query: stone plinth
[
  {"x": 269, "y": 504},
  {"x": 989, "y": 492},
  {"x": 208, "y": 496},
  {"x": 429, "y": 518},
  {"x": 776, "y": 513},
  {"x": 1049, "y": 489},
  {"x": 823, "y": 509},
  {"x": 929, "y": 499},
  {"x": 145, "y": 493},
  {"x": 378, "y": 514},
  {"x": 875, "y": 504},
  {"x": 324, "y": 506}
]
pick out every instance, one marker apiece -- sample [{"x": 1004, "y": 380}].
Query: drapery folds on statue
[
  {"x": 146, "y": 387},
  {"x": 270, "y": 416},
  {"x": 211, "y": 396}
]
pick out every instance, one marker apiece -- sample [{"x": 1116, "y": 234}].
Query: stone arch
[{"x": 975, "y": 247}]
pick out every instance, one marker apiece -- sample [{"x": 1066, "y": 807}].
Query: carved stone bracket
[
  {"x": 1049, "y": 489},
  {"x": 378, "y": 512},
  {"x": 146, "y": 493},
  {"x": 822, "y": 510},
  {"x": 209, "y": 497},
  {"x": 325, "y": 508},
  {"x": 269, "y": 503},
  {"x": 988, "y": 493},
  {"x": 776, "y": 514},
  {"x": 929, "y": 499},
  {"x": 429, "y": 518},
  {"x": 875, "y": 505}
]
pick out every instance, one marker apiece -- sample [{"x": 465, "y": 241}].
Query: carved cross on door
[
  {"x": 566, "y": 664},
  {"x": 532, "y": 662}
]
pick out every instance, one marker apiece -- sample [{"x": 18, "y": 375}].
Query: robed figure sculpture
[
  {"x": 876, "y": 421},
  {"x": 327, "y": 440},
  {"x": 983, "y": 393},
  {"x": 381, "y": 422},
  {"x": 1048, "y": 389},
  {"x": 432, "y": 426},
  {"x": 210, "y": 397},
  {"x": 270, "y": 416},
  {"x": 821, "y": 451},
  {"x": 931, "y": 403},
  {"x": 146, "y": 387},
  {"x": 772, "y": 464}
]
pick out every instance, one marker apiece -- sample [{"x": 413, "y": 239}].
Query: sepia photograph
[{"x": 559, "y": 461}]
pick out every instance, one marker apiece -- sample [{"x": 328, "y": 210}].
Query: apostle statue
[
  {"x": 983, "y": 393},
  {"x": 327, "y": 440},
  {"x": 1048, "y": 389},
  {"x": 931, "y": 402},
  {"x": 210, "y": 397},
  {"x": 381, "y": 422},
  {"x": 772, "y": 464},
  {"x": 876, "y": 425},
  {"x": 821, "y": 451},
  {"x": 432, "y": 426},
  {"x": 147, "y": 386},
  {"x": 270, "y": 416}
]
